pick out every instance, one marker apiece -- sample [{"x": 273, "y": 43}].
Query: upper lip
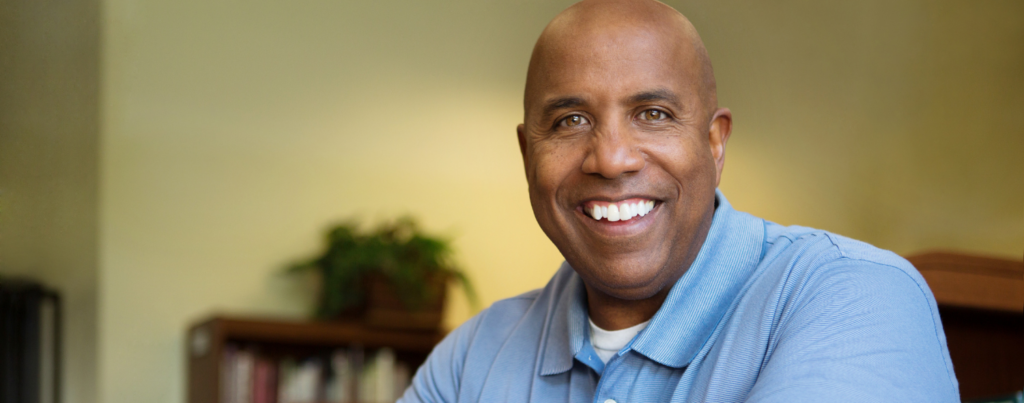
[{"x": 611, "y": 199}]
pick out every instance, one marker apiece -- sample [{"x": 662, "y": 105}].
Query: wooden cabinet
[
  {"x": 211, "y": 341},
  {"x": 981, "y": 302}
]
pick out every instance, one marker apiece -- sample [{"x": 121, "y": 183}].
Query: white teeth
[
  {"x": 622, "y": 211},
  {"x": 613, "y": 212}
]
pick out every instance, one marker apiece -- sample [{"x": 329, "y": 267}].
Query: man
[{"x": 668, "y": 294}]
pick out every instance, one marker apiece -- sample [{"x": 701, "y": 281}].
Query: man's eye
[
  {"x": 653, "y": 114},
  {"x": 573, "y": 121}
]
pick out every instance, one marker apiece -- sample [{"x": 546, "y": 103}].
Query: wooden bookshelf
[
  {"x": 977, "y": 282},
  {"x": 981, "y": 303},
  {"x": 207, "y": 340}
]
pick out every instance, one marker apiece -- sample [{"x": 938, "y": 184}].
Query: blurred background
[{"x": 162, "y": 160}]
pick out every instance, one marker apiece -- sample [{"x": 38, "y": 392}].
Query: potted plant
[{"x": 393, "y": 275}]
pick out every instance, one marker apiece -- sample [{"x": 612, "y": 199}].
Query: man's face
[{"x": 614, "y": 121}]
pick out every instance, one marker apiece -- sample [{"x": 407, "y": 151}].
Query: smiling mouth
[{"x": 623, "y": 210}]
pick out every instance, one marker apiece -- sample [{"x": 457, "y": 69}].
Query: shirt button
[{"x": 609, "y": 401}]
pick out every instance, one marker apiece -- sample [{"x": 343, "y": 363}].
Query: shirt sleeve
[
  {"x": 858, "y": 331},
  {"x": 437, "y": 380}
]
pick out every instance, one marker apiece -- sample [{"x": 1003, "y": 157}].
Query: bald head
[
  {"x": 597, "y": 30},
  {"x": 621, "y": 112}
]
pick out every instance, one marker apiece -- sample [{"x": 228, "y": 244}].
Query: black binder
[{"x": 30, "y": 319}]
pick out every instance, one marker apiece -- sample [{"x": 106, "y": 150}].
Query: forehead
[{"x": 612, "y": 64}]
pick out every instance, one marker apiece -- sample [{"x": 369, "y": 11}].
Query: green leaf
[{"x": 397, "y": 250}]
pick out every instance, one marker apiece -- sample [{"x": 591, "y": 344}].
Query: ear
[
  {"x": 521, "y": 133},
  {"x": 718, "y": 135}
]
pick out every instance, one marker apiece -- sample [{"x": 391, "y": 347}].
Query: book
[
  {"x": 1014, "y": 398},
  {"x": 264, "y": 384},
  {"x": 340, "y": 385},
  {"x": 285, "y": 374},
  {"x": 344, "y": 375},
  {"x": 243, "y": 376}
]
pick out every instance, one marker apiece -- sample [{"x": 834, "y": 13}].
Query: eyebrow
[
  {"x": 663, "y": 95},
  {"x": 656, "y": 95},
  {"x": 560, "y": 103}
]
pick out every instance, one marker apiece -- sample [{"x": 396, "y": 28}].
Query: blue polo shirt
[{"x": 765, "y": 313}]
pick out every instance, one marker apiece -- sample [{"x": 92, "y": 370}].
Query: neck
[{"x": 612, "y": 313}]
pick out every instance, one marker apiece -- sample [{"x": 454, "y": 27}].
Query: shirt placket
[{"x": 607, "y": 390}]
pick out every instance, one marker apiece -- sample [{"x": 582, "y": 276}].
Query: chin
[{"x": 625, "y": 280}]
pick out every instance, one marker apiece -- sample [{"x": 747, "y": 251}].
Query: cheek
[
  {"x": 553, "y": 167},
  {"x": 687, "y": 160},
  {"x": 553, "y": 164}
]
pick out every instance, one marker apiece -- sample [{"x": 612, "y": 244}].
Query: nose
[{"x": 613, "y": 154}]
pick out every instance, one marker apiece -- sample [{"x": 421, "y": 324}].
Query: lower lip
[{"x": 629, "y": 227}]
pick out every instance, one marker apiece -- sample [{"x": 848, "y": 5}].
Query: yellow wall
[
  {"x": 234, "y": 132},
  {"x": 231, "y": 133},
  {"x": 896, "y": 122},
  {"x": 48, "y": 160}
]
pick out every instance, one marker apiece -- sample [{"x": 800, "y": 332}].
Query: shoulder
[
  {"x": 829, "y": 278},
  {"x": 518, "y": 316},
  {"x": 513, "y": 306},
  {"x": 504, "y": 316},
  {"x": 818, "y": 256},
  {"x": 816, "y": 270},
  {"x": 850, "y": 303},
  {"x": 491, "y": 323},
  {"x": 501, "y": 315},
  {"x": 811, "y": 264},
  {"x": 455, "y": 365}
]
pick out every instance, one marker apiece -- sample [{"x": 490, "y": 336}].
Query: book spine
[
  {"x": 403, "y": 379},
  {"x": 285, "y": 381},
  {"x": 345, "y": 375},
  {"x": 227, "y": 375},
  {"x": 272, "y": 382},
  {"x": 385, "y": 377},
  {"x": 244, "y": 363},
  {"x": 259, "y": 382}
]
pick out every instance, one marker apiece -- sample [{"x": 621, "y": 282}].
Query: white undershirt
[{"x": 609, "y": 342}]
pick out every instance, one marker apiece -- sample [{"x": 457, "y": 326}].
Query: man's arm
[{"x": 861, "y": 331}]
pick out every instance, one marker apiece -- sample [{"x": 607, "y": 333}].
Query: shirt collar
[
  {"x": 567, "y": 332},
  {"x": 692, "y": 309}
]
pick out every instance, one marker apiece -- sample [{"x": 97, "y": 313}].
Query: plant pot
[{"x": 384, "y": 309}]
